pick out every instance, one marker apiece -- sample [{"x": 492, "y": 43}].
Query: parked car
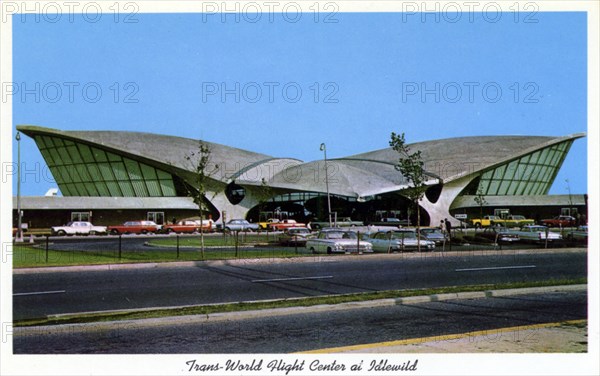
[
  {"x": 295, "y": 236},
  {"x": 396, "y": 222},
  {"x": 399, "y": 240},
  {"x": 335, "y": 240},
  {"x": 536, "y": 234},
  {"x": 486, "y": 221},
  {"x": 186, "y": 227},
  {"x": 341, "y": 222},
  {"x": 500, "y": 235},
  {"x": 560, "y": 221},
  {"x": 263, "y": 225},
  {"x": 24, "y": 228},
  {"x": 578, "y": 235},
  {"x": 240, "y": 225},
  {"x": 283, "y": 224},
  {"x": 78, "y": 228},
  {"x": 135, "y": 227},
  {"x": 434, "y": 234},
  {"x": 512, "y": 221}
]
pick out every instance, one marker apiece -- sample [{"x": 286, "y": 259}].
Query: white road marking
[
  {"x": 39, "y": 293},
  {"x": 496, "y": 268},
  {"x": 290, "y": 279}
]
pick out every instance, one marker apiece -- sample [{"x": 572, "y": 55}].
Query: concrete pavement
[{"x": 559, "y": 337}]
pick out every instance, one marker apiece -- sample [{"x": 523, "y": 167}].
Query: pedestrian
[{"x": 448, "y": 228}]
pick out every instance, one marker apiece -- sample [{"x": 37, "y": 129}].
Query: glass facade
[
  {"x": 531, "y": 174},
  {"x": 83, "y": 170}
]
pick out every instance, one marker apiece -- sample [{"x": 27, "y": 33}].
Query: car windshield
[
  {"x": 340, "y": 235},
  {"x": 536, "y": 228},
  {"x": 403, "y": 235},
  {"x": 298, "y": 231}
]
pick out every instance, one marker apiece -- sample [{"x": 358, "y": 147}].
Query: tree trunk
[
  {"x": 418, "y": 226},
  {"x": 201, "y": 232}
]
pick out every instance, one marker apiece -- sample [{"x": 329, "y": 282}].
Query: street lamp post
[
  {"x": 323, "y": 148},
  {"x": 19, "y": 237},
  {"x": 570, "y": 201}
]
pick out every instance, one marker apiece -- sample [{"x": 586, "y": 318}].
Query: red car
[
  {"x": 283, "y": 224},
  {"x": 560, "y": 221},
  {"x": 187, "y": 227},
  {"x": 134, "y": 227}
]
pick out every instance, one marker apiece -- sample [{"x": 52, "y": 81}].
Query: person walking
[{"x": 448, "y": 228}]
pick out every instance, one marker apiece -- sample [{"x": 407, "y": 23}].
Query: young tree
[
  {"x": 265, "y": 194},
  {"x": 201, "y": 160},
  {"x": 481, "y": 201},
  {"x": 411, "y": 166}
]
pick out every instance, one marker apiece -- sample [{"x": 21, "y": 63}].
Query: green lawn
[
  {"x": 26, "y": 256},
  {"x": 215, "y": 240}
]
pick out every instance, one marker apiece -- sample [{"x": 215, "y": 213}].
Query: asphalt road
[
  {"x": 304, "y": 332},
  {"x": 41, "y": 294}
]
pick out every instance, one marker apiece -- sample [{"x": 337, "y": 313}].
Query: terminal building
[{"x": 109, "y": 177}]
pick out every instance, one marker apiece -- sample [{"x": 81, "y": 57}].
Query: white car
[
  {"x": 335, "y": 240},
  {"x": 295, "y": 236},
  {"x": 537, "y": 234},
  {"x": 398, "y": 241},
  {"x": 580, "y": 234},
  {"x": 78, "y": 228},
  {"x": 240, "y": 225}
]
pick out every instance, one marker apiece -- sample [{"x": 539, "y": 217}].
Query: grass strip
[
  {"x": 26, "y": 256},
  {"x": 284, "y": 303},
  {"x": 215, "y": 240}
]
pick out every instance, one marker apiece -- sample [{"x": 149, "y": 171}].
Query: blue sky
[{"x": 291, "y": 85}]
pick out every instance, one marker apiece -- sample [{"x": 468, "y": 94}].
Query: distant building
[{"x": 114, "y": 176}]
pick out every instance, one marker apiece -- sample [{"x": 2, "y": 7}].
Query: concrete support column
[
  {"x": 239, "y": 211},
  {"x": 440, "y": 210}
]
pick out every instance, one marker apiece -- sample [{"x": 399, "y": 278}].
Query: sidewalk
[{"x": 563, "y": 337}]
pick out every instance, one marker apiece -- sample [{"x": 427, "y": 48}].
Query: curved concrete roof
[
  {"x": 358, "y": 175},
  {"x": 167, "y": 152},
  {"x": 372, "y": 173},
  {"x": 452, "y": 158}
]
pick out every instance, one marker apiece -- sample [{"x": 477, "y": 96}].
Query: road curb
[{"x": 273, "y": 312}]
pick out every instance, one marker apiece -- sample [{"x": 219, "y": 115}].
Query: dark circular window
[
  {"x": 433, "y": 193},
  {"x": 235, "y": 193}
]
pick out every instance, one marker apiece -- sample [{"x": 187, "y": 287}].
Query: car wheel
[
  {"x": 92, "y": 232},
  {"x": 312, "y": 250},
  {"x": 114, "y": 232},
  {"x": 61, "y": 233},
  {"x": 477, "y": 225},
  {"x": 144, "y": 232}
]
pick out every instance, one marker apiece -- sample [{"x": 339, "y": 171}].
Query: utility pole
[
  {"x": 323, "y": 148},
  {"x": 19, "y": 237}
]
